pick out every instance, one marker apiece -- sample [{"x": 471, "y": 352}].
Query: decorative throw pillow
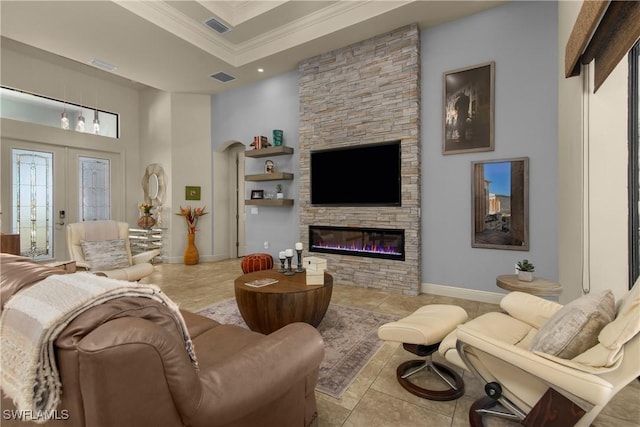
[
  {"x": 105, "y": 254},
  {"x": 575, "y": 327}
]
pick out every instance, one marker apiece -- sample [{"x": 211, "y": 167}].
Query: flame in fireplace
[
  {"x": 355, "y": 241},
  {"x": 370, "y": 248}
]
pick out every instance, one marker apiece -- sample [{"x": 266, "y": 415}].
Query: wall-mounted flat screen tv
[{"x": 364, "y": 175}]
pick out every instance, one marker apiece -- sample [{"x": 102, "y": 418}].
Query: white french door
[{"x": 43, "y": 190}]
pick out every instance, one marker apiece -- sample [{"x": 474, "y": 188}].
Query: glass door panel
[
  {"x": 94, "y": 188},
  {"x": 91, "y": 182},
  {"x": 32, "y": 207},
  {"x": 33, "y": 179}
]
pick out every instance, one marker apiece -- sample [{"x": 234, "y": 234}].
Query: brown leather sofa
[{"x": 123, "y": 363}]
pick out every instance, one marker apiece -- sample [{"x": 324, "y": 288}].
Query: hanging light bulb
[
  {"x": 64, "y": 120},
  {"x": 80, "y": 122},
  {"x": 96, "y": 123}
]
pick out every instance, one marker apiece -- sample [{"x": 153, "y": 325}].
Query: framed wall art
[
  {"x": 500, "y": 204},
  {"x": 257, "y": 194},
  {"x": 191, "y": 193},
  {"x": 468, "y": 105}
]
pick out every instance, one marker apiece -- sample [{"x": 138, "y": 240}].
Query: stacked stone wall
[{"x": 366, "y": 93}]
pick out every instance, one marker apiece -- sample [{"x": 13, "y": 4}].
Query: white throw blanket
[{"x": 34, "y": 317}]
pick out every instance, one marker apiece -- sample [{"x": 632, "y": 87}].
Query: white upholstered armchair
[
  {"x": 103, "y": 247},
  {"x": 542, "y": 361}
]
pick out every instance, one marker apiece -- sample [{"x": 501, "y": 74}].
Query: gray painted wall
[
  {"x": 243, "y": 113},
  {"x": 521, "y": 38}
]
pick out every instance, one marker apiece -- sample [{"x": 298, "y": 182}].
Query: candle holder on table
[
  {"x": 289, "y": 255},
  {"x": 299, "y": 269}
]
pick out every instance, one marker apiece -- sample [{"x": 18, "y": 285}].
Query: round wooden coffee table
[{"x": 269, "y": 308}]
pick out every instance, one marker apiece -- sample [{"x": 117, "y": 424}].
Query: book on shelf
[{"x": 258, "y": 283}]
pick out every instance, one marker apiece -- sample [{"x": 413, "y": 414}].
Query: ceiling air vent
[
  {"x": 102, "y": 64},
  {"x": 222, "y": 77},
  {"x": 217, "y": 26}
]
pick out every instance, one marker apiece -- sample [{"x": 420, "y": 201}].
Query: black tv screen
[{"x": 365, "y": 175}]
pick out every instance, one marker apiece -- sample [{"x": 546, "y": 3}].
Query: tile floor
[{"x": 375, "y": 398}]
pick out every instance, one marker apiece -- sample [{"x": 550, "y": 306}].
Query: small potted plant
[
  {"x": 525, "y": 270},
  {"x": 279, "y": 194}
]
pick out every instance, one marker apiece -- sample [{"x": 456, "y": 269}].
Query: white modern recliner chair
[
  {"x": 535, "y": 386},
  {"x": 103, "y": 248}
]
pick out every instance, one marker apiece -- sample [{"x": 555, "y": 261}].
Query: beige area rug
[{"x": 350, "y": 336}]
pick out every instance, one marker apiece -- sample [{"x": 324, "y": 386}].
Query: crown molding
[
  {"x": 335, "y": 17},
  {"x": 221, "y": 9},
  {"x": 250, "y": 9},
  {"x": 180, "y": 25},
  {"x": 238, "y": 12}
]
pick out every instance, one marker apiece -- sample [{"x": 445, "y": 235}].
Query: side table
[{"x": 539, "y": 286}]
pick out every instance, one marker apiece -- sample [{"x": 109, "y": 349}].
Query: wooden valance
[{"x": 604, "y": 31}]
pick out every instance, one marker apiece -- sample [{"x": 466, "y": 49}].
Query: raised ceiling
[{"x": 166, "y": 45}]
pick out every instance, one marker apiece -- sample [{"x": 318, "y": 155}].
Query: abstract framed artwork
[
  {"x": 191, "y": 193},
  {"x": 468, "y": 105},
  {"x": 500, "y": 204}
]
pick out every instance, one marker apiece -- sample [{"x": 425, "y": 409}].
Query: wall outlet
[{"x": 266, "y": 244}]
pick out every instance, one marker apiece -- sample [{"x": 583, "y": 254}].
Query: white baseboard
[{"x": 470, "y": 294}]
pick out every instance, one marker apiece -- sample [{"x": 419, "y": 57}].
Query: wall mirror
[{"x": 153, "y": 185}]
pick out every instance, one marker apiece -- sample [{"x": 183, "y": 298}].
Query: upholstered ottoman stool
[
  {"x": 421, "y": 333},
  {"x": 256, "y": 262}
]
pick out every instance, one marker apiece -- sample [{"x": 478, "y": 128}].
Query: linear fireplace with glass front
[{"x": 365, "y": 242}]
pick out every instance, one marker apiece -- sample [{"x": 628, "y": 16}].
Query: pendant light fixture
[
  {"x": 64, "y": 120},
  {"x": 96, "y": 123},
  {"x": 80, "y": 122}
]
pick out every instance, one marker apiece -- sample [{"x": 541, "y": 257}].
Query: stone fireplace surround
[{"x": 366, "y": 93}]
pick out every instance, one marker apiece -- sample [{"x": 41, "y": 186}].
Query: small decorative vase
[
  {"x": 146, "y": 221},
  {"x": 525, "y": 276},
  {"x": 277, "y": 137},
  {"x": 191, "y": 255}
]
